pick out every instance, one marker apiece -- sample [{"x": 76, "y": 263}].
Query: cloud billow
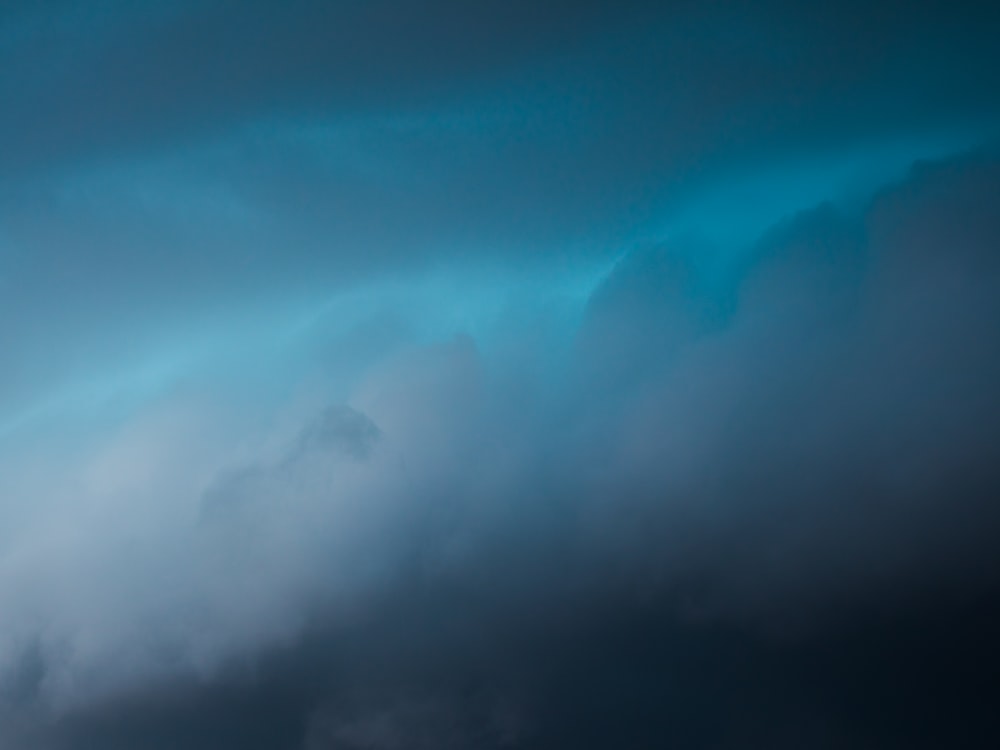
[
  {"x": 520, "y": 376},
  {"x": 819, "y": 448}
]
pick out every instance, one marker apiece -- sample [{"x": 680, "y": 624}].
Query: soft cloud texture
[
  {"x": 498, "y": 375},
  {"x": 815, "y": 432}
]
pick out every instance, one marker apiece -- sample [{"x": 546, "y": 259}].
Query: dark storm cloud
[
  {"x": 635, "y": 680},
  {"x": 451, "y": 375},
  {"x": 738, "y": 523}
]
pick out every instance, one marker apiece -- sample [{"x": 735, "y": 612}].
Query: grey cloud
[
  {"x": 336, "y": 434},
  {"x": 821, "y": 449},
  {"x": 848, "y": 395},
  {"x": 315, "y": 430}
]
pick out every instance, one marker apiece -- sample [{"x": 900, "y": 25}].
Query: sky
[{"x": 458, "y": 375}]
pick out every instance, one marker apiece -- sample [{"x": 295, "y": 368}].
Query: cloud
[
  {"x": 507, "y": 375},
  {"x": 775, "y": 449},
  {"x": 250, "y": 155}
]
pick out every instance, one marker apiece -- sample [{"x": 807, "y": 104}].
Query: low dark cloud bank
[{"x": 499, "y": 376}]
